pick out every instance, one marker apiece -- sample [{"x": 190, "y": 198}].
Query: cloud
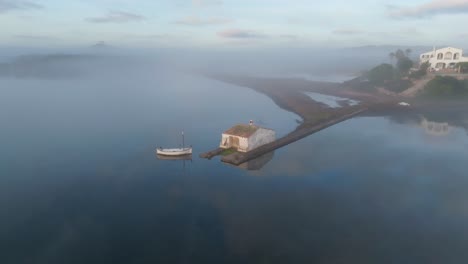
[
  {"x": 10, "y": 5},
  {"x": 432, "y": 8},
  {"x": 116, "y": 17},
  {"x": 241, "y": 34},
  {"x": 196, "y": 21},
  {"x": 347, "y": 31},
  {"x": 202, "y": 3}
]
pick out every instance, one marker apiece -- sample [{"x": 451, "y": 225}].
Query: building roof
[
  {"x": 242, "y": 130},
  {"x": 442, "y": 49}
]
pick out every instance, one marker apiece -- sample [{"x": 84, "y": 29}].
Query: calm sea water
[{"x": 79, "y": 181}]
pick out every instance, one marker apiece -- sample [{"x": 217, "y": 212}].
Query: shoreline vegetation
[
  {"x": 412, "y": 79},
  {"x": 290, "y": 95}
]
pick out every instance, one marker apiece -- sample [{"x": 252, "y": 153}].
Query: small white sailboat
[{"x": 175, "y": 151}]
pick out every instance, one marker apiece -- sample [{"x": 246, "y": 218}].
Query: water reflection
[
  {"x": 368, "y": 190},
  {"x": 257, "y": 163},
  {"x": 182, "y": 160},
  {"x": 436, "y": 128},
  {"x": 184, "y": 157},
  {"x": 331, "y": 101},
  {"x": 437, "y": 122}
]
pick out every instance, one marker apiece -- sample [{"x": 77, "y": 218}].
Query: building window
[
  {"x": 440, "y": 56},
  {"x": 448, "y": 56},
  {"x": 456, "y": 56}
]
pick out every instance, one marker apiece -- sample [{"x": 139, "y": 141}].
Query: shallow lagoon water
[
  {"x": 330, "y": 100},
  {"x": 80, "y": 182}
]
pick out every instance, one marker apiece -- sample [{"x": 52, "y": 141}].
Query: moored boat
[{"x": 175, "y": 151}]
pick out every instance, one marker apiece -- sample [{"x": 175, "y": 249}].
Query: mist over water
[
  {"x": 323, "y": 64},
  {"x": 80, "y": 182}
]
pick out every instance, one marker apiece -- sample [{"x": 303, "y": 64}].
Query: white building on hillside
[
  {"x": 245, "y": 138},
  {"x": 443, "y": 58}
]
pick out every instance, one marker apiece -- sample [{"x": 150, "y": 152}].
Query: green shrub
[
  {"x": 446, "y": 87},
  {"x": 380, "y": 74},
  {"x": 398, "y": 86},
  {"x": 421, "y": 72},
  {"x": 404, "y": 65},
  {"x": 463, "y": 67}
]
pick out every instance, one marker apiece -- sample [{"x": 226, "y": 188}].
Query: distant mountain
[
  {"x": 47, "y": 66},
  {"x": 101, "y": 45},
  {"x": 388, "y": 47},
  {"x": 384, "y": 50}
]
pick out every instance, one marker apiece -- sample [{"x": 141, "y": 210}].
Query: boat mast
[{"x": 183, "y": 140}]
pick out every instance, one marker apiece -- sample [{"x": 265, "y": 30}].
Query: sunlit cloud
[
  {"x": 241, "y": 34},
  {"x": 432, "y": 8},
  {"x": 116, "y": 17}
]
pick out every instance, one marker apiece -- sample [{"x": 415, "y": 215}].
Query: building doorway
[
  {"x": 234, "y": 142},
  {"x": 440, "y": 65}
]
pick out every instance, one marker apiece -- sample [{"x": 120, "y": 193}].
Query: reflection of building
[
  {"x": 245, "y": 138},
  {"x": 435, "y": 128},
  {"x": 443, "y": 58},
  {"x": 258, "y": 163},
  {"x": 465, "y": 126}
]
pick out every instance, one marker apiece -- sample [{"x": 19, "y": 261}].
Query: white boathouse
[{"x": 245, "y": 138}]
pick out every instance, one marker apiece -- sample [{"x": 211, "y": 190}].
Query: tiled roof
[{"x": 242, "y": 130}]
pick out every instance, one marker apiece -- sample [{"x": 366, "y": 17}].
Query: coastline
[{"x": 290, "y": 95}]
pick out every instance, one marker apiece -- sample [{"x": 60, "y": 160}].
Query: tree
[
  {"x": 408, "y": 52},
  {"x": 423, "y": 67},
  {"x": 463, "y": 66},
  {"x": 404, "y": 64},
  {"x": 392, "y": 56},
  {"x": 400, "y": 54},
  {"x": 421, "y": 72},
  {"x": 380, "y": 74}
]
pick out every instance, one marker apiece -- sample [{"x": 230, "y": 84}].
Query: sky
[{"x": 233, "y": 23}]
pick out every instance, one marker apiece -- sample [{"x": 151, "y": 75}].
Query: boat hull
[
  {"x": 184, "y": 157},
  {"x": 174, "y": 152}
]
